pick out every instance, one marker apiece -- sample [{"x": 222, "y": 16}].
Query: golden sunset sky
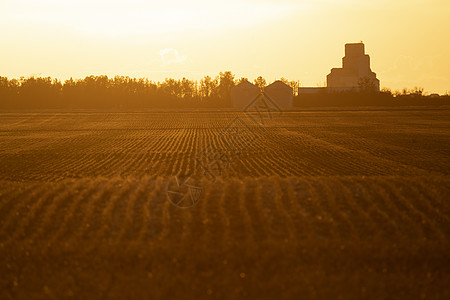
[{"x": 408, "y": 41}]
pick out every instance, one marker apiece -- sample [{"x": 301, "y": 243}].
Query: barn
[
  {"x": 243, "y": 93},
  {"x": 281, "y": 93}
]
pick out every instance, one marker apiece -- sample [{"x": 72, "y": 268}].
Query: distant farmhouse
[
  {"x": 277, "y": 94},
  {"x": 354, "y": 74}
]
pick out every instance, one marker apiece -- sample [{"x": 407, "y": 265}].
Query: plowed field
[{"x": 338, "y": 204}]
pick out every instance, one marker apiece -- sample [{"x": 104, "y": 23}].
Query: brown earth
[{"x": 339, "y": 204}]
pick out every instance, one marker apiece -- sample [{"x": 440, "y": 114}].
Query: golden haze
[{"x": 299, "y": 40}]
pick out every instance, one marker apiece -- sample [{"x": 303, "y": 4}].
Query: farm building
[
  {"x": 355, "y": 66},
  {"x": 243, "y": 93},
  {"x": 355, "y": 70},
  {"x": 281, "y": 93}
]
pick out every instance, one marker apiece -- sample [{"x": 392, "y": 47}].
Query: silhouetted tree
[
  {"x": 208, "y": 87},
  {"x": 9, "y": 90},
  {"x": 386, "y": 91},
  {"x": 40, "y": 92},
  {"x": 417, "y": 91},
  {"x": 242, "y": 79},
  {"x": 226, "y": 82},
  {"x": 293, "y": 84},
  {"x": 188, "y": 88},
  {"x": 260, "y": 82}
]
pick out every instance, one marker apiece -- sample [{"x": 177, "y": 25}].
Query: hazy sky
[{"x": 408, "y": 41}]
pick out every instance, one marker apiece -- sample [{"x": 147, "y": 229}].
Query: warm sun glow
[
  {"x": 224, "y": 149},
  {"x": 300, "y": 40},
  {"x": 119, "y": 18}
]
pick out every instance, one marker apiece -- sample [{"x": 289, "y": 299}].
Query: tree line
[{"x": 120, "y": 92}]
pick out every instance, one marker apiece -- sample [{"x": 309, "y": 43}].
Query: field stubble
[{"x": 326, "y": 204}]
